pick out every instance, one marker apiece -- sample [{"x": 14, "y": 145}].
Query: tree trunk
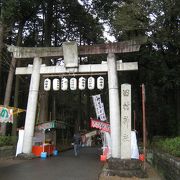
[
  {"x": 54, "y": 106},
  {"x": 79, "y": 119},
  {"x": 44, "y": 96},
  {"x": 1, "y": 47},
  {"x": 16, "y": 97},
  {"x": 10, "y": 80},
  {"x": 48, "y": 22},
  {"x": 12, "y": 69},
  {"x": 178, "y": 111},
  {"x": 88, "y": 110},
  {"x": 43, "y": 108}
]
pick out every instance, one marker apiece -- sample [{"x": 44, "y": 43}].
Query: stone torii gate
[{"x": 70, "y": 51}]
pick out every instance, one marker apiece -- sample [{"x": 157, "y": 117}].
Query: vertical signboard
[
  {"x": 99, "y": 107},
  {"x": 126, "y": 121}
]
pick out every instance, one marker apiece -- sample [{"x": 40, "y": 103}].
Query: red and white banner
[{"x": 100, "y": 125}]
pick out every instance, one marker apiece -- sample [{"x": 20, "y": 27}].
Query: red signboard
[{"x": 100, "y": 125}]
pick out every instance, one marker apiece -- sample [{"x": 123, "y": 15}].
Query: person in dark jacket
[{"x": 77, "y": 142}]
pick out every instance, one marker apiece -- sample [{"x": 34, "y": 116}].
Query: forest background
[{"x": 45, "y": 23}]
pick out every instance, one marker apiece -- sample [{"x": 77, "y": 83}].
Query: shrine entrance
[{"x": 70, "y": 52}]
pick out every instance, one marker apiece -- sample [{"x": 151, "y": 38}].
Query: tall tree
[
  {"x": 21, "y": 16},
  {"x": 6, "y": 21},
  {"x": 44, "y": 96},
  {"x": 159, "y": 59}
]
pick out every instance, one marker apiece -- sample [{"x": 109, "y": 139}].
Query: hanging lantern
[
  {"x": 100, "y": 82},
  {"x": 56, "y": 84},
  {"x": 91, "y": 83},
  {"x": 82, "y": 83},
  {"x": 73, "y": 83},
  {"x": 47, "y": 84},
  {"x": 64, "y": 84}
]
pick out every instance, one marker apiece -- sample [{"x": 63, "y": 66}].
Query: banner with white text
[{"x": 100, "y": 125}]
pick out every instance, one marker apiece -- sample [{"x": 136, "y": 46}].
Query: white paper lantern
[
  {"x": 100, "y": 82},
  {"x": 47, "y": 84},
  {"x": 73, "y": 83},
  {"x": 91, "y": 83},
  {"x": 82, "y": 83},
  {"x": 56, "y": 84},
  {"x": 64, "y": 84}
]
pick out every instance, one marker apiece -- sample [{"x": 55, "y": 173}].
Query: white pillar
[
  {"x": 31, "y": 106},
  {"x": 114, "y": 105},
  {"x": 125, "y": 121}
]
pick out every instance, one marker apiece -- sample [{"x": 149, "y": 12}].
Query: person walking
[{"x": 77, "y": 142}]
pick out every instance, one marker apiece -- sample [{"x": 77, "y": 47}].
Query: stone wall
[
  {"x": 123, "y": 168},
  {"x": 168, "y": 165},
  {"x": 7, "y": 152}
]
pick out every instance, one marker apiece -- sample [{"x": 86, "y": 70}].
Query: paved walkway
[
  {"x": 63, "y": 167},
  {"x": 66, "y": 166}
]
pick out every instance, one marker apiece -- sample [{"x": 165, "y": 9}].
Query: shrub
[
  {"x": 7, "y": 140},
  {"x": 169, "y": 145}
]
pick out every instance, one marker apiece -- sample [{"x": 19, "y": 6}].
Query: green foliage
[
  {"x": 104, "y": 8},
  {"x": 158, "y": 59},
  {"x": 80, "y": 22},
  {"x": 169, "y": 145},
  {"x": 131, "y": 18},
  {"x": 7, "y": 140},
  {"x": 8, "y": 11}
]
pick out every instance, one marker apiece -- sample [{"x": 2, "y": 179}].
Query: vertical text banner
[
  {"x": 6, "y": 115},
  {"x": 99, "y": 107},
  {"x": 126, "y": 121}
]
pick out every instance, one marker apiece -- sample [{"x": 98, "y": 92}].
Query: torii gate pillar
[
  {"x": 114, "y": 105},
  {"x": 31, "y": 106}
]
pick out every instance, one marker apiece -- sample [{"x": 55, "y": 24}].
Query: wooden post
[
  {"x": 144, "y": 123},
  {"x": 134, "y": 120}
]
